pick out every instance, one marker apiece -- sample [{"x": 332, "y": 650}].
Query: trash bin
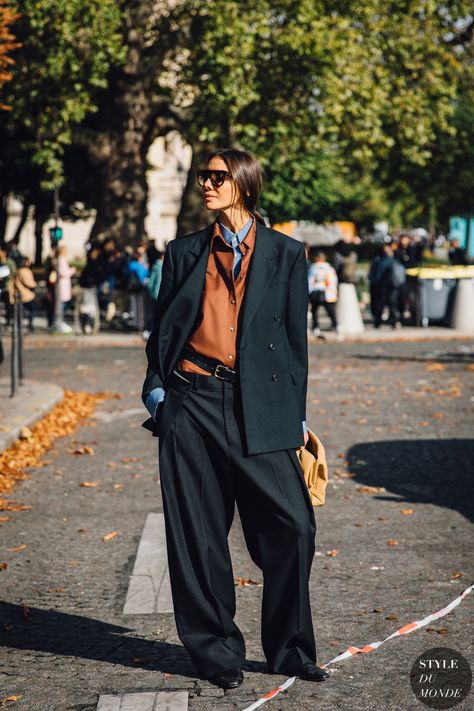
[{"x": 432, "y": 291}]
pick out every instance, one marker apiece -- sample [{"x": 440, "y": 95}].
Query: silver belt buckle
[{"x": 220, "y": 377}]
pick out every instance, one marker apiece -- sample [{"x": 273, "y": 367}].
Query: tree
[
  {"x": 333, "y": 97},
  {"x": 67, "y": 47},
  {"x": 341, "y": 101},
  {"x": 8, "y": 43}
]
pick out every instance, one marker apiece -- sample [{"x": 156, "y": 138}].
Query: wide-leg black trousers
[{"x": 204, "y": 472}]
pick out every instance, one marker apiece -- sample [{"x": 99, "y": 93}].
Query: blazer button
[
  {"x": 274, "y": 376},
  {"x": 276, "y": 317},
  {"x": 271, "y": 346}
]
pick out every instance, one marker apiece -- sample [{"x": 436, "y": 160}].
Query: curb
[{"x": 31, "y": 402}]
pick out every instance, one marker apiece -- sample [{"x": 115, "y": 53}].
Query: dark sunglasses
[{"x": 217, "y": 177}]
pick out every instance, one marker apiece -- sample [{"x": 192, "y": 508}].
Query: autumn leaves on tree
[{"x": 7, "y": 44}]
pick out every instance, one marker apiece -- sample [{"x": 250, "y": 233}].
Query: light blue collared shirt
[{"x": 234, "y": 239}]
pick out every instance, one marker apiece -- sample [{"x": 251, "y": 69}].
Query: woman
[
  {"x": 23, "y": 283},
  {"x": 226, "y": 388},
  {"x": 322, "y": 286}
]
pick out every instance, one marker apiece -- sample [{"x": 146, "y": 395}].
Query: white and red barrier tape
[{"x": 352, "y": 651}]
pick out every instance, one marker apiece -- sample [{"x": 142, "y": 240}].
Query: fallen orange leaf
[
  {"x": 110, "y": 536},
  {"x": 4, "y": 519},
  {"x": 456, "y": 575},
  {"x": 433, "y": 367},
  {"x": 246, "y": 581},
  {"x": 90, "y": 484},
  {"x": 3, "y": 566},
  {"x": 17, "y": 549},
  {"x": 84, "y": 449},
  {"x": 370, "y": 489},
  {"x": 392, "y": 542},
  {"x": 333, "y": 553},
  {"x": 407, "y": 512},
  {"x": 391, "y": 617}
]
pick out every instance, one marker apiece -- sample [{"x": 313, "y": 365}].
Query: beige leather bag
[{"x": 315, "y": 469}]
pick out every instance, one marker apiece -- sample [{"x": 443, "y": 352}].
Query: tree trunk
[
  {"x": 23, "y": 219},
  {"x": 193, "y": 214},
  {"x": 121, "y": 163},
  {"x": 39, "y": 224}
]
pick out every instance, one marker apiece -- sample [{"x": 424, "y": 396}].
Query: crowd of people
[
  {"x": 387, "y": 279},
  {"x": 111, "y": 278},
  {"x": 128, "y": 280}
]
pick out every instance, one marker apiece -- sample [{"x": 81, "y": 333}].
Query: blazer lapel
[
  {"x": 261, "y": 271},
  {"x": 186, "y": 301}
]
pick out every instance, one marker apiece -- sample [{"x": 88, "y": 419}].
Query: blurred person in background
[
  {"x": 154, "y": 282},
  {"x": 57, "y": 262},
  {"x": 138, "y": 274},
  {"x": 14, "y": 253},
  {"x": 108, "y": 262},
  {"x": 408, "y": 255},
  {"x": 7, "y": 270},
  {"x": 23, "y": 282},
  {"x": 386, "y": 276},
  {"x": 90, "y": 279},
  {"x": 457, "y": 255},
  {"x": 153, "y": 287},
  {"x": 406, "y": 252},
  {"x": 322, "y": 286},
  {"x": 345, "y": 262},
  {"x": 152, "y": 253},
  {"x": 65, "y": 272}
]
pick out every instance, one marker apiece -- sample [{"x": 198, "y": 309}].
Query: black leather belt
[{"x": 213, "y": 366}]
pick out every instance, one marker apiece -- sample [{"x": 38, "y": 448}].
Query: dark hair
[{"x": 247, "y": 173}]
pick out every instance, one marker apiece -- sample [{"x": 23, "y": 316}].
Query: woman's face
[{"x": 223, "y": 197}]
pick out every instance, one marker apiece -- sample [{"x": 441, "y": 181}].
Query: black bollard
[
  {"x": 14, "y": 351},
  {"x": 20, "y": 337}
]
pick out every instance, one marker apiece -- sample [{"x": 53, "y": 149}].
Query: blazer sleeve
[
  {"x": 153, "y": 378},
  {"x": 297, "y": 328}
]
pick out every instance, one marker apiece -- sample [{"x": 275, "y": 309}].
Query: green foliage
[
  {"x": 68, "y": 48},
  {"x": 348, "y": 104},
  {"x": 346, "y": 94}
]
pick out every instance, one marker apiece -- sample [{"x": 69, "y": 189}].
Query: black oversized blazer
[{"x": 272, "y": 344}]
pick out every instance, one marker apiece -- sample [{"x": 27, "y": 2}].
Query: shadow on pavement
[
  {"x": 426, "y": 471},
  {"x": 60, "y": 633}
]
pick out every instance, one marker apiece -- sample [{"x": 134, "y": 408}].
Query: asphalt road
[{"x": 397, "y": 416}]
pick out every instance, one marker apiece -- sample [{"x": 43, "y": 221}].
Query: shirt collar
[{"x": 230, "y": 236}]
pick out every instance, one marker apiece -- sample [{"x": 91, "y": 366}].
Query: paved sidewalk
[
  {"x": 385, "y": 334},
  {"x": 31, "y": 401},
  {"x": 394, "y": 542}
]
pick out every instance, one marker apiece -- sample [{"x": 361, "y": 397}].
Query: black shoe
[
  {"x": 310, "y": 672},
  {"x": 230, "y": 679}
]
